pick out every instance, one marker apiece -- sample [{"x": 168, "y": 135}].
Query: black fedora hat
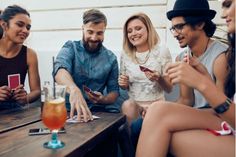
[{"x": 191, "y": 8}]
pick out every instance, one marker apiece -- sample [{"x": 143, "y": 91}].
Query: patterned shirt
[
  {"x": 140, "y": 87},
  {"x": 96, "y": 70}
]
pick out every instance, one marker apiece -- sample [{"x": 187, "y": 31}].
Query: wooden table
[
  {"x": 12, "y": 119},
  {"x": 81, "y": 139}
]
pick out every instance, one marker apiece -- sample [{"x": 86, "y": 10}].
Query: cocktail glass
[{"x": 54, "y": 114}]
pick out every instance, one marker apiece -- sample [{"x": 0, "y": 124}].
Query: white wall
[{"x": 56, "y": 21}]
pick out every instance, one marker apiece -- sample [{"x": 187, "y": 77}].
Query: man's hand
[
  {"x": 79, "y": 104},
  {"x": 196, "y": 64},
  {"x": 181, "y": 72},
  {"x": 94, "y": 96}
]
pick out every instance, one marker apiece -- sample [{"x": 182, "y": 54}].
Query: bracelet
[{"x": 223, "y": 107}]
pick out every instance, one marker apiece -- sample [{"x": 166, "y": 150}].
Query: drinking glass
[{"x": 54, "y": 114}]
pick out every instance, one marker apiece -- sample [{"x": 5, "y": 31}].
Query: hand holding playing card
[
  {"x": 151, "y": 75},
  {"x": 88, "y": 90},
  {"x": 93, "y": 96},
  {"x": 13, "y": 81},
  {"x": 145, "y": 69},
  {"x": 5, "y": 93},
  {"x": 20, "y": 95},
  {"x": 155, "y": 76}
]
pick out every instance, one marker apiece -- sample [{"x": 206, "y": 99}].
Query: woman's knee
[
  {"x": 128, "y": 105},
  {"x": 159, "y": 109},
  {"x": 159, "y": 113}
]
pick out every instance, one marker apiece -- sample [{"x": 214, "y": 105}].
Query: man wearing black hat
[{"x": 192, "y": 27}]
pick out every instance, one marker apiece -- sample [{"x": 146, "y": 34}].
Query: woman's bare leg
[
  {"x": 131, "y": 110},
  {"x": 164, "y": 118},
  {"x": 201, "y": 143}
]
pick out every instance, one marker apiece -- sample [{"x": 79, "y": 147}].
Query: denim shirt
[{"x": 96, "y": 70}]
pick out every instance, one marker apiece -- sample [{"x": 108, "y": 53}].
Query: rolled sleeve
[{"x": 64, "y": 58}]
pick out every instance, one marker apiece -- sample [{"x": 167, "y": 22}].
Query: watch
[{"x": 223, "y": 107}]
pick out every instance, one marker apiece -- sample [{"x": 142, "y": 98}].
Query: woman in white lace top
[{"x": 141, "y": 53}]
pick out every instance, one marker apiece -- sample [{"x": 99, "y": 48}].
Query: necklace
[
  {"x": 144, "y": 61},
  {"x": 204, "y": 49}
]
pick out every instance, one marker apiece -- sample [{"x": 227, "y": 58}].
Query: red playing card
[
  {"x": 13, "y": 81},
  {"x": 87, "y": 89},
  {"x": 144, "y": 69}
]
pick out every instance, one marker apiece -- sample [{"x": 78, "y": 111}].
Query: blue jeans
[
  {"x": 8, "y": 105},
  {"x": 135, "y": 128}
]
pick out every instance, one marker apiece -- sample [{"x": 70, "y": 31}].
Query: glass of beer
[{"x": 54, "y": 114}]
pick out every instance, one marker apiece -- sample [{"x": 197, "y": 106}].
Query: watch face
[{"x": 223, "y": 107}]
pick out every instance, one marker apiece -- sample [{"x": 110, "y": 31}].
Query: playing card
[
  {"x": 13, "y": 81},
  {"x": 186, "y": 56},
  {"x": 144, "y": 69},
  {"x": 74, "y": 119},
  {"x": 87, "y": 89}
]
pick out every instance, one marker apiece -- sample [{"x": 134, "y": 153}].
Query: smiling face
[
  {"x": 18, "y": 28},
  {"x": 137, "y": 33},
  {"x": 228, "y": 14},
  {"x": 93, "y": 36},
  {"x": 183, "y": 32}
]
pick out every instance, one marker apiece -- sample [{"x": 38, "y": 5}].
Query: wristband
[{"x": 223, "y": 107}]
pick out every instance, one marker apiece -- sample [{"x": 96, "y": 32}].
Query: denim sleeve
[
  {"x": 64, "y": 58},
  {"x": 112, "y": 82}
]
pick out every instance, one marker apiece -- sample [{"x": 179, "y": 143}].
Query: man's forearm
[
  {"x": 109, "y": 98},
  {"x": 63, "y": 77}
]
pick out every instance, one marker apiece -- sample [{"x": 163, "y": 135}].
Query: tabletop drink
[{"x": 54, "y": 114}]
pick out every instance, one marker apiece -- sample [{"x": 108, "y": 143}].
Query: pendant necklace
[{"x": 142, "y": 62}]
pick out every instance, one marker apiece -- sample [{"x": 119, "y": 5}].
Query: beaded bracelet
[{"x": 223, "y": 107}]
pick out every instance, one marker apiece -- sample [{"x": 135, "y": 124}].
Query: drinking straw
[{"x": 54, "y": 85}]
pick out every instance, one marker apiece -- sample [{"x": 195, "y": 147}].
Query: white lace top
[{"x": 140, "y": 87}]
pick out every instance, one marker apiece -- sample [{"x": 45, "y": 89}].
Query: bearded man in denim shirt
[{"x": 88, "y": 63}]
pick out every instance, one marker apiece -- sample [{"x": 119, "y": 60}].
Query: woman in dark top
[
  {"x": 16, "y": 60},
  {"x": 1, "y": 30},
  {"x": 187, "y": 131}
]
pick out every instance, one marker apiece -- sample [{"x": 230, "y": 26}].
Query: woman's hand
[
  {"x": 123, "y": 81},
  {"x": 5, "y": 93},
  {"x": 153, "y": 76},
  {"x": 143, "y": 111},
  {"x": 20, "y": 95}
]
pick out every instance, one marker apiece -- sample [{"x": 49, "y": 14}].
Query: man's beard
[{"x": 90, "y": 49}]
